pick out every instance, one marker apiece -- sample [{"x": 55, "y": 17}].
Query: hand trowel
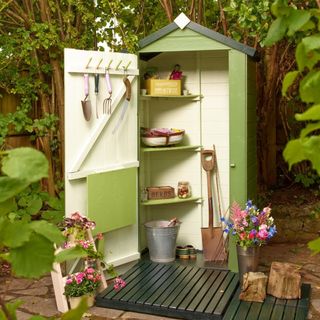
[{"x": 86, "y": 103}]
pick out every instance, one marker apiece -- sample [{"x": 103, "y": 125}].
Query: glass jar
[
  {"x": 144, "y": 195},
  {"x": 184, "y": 189}
]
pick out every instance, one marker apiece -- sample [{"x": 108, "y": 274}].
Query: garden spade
[
  {"x": 212, "y": 237},
  {"x": 86, "y": 103}
]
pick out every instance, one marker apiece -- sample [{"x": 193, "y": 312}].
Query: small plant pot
[{"x": 75, "y": 301}]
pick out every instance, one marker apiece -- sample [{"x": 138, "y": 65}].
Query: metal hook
[
  {"x": 97, "y": 67},
  {"x": 109, "y": 65},
  {"x": 87, "y": 66},
  {"x": 117, "y": 67},
  {"x": 127, "y": 66}
]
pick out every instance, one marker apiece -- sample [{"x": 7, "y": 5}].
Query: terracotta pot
[{"x": 74, "y": 301}]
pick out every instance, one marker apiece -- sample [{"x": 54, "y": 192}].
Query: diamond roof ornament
[{"x": 182, "y": 21}]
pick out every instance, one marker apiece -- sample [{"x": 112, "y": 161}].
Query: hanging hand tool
[
  {"x": 127, "y": 83},
  {"x": 86, "y": 103},
  {"x": 107, "y": 103},
  {"x": 96, "y": 91}
]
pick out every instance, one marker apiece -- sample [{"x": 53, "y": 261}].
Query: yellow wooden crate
[{"x": 156, "y": 87}]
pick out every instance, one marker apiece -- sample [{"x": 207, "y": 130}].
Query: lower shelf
[{"x": 175, "y": 200}]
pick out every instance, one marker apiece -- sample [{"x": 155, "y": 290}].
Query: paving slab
[{"x": 41, "y": 291}]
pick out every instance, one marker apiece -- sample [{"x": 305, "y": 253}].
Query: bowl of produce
[{"x": 156, "y": 137}]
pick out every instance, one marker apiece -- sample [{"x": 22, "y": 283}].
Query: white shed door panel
[{"x": 92, "y": 147}]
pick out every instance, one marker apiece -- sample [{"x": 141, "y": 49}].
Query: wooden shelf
[
  {"x": 188, "y": 97},
  {"x": 175, "y": 200},
  {"x": 156, "y": 149}
]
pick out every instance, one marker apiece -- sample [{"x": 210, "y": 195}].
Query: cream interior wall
[{"x": 206, "y": 122}]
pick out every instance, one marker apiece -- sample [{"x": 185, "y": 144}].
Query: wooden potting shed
[{"x": 107, "y": 166}]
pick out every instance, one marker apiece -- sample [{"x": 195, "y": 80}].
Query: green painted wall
[
  {"x": 183, "y": 40},
  {"x": 242, "y": 99}
]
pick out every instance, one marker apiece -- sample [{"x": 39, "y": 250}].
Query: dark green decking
[{"x": 190, "y": 292}]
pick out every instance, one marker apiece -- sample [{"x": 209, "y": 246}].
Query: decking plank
[
  {"x": 182, "y": 305},
  {"x": 243, "y": 311},
  {"x": 166, "y": 285},
  {"x": 205, "y": 288},
  {"x": 303, "y": 303},
  {"x": 134, "y": 278},
  {"x": 145, "y": 285},
  {"x": 254, "y": 311},
  {"x": 219, "y": 294},
  {"x": 290, "y": 309},
  {"x": 267, "y": 307},
  {"x": 139, "y": 282},
  {"x": 165, "y": 279},
  {"x": 210, "y": 294},
  {"x": 227, "y": 295},
  {"x": 278, "y": 309},
  {"x": 174, "y": 285},
  {"x": 233, "y": 306},
  {"x": 183, "y": 288}
]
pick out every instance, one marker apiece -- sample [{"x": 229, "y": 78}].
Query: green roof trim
[{"x": 251, "y": 52}]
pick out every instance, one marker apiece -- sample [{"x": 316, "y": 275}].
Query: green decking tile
[{"x": 193, "y": 293}]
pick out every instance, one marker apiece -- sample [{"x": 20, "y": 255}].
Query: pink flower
[
  {"x": 242, "y": 235},
  {"x": 89, "y": 270},
  {"x": 119, "y": 283},
  {"x": 263, "y": 227},
  {"x": 68, "y": 281},
  {"x": 90, "y": 277},
  {"x": 263, "y": 234},
  {"x": 76, "y": 216}
]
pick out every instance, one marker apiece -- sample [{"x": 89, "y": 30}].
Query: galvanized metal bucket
[
  {"x": 161, "y": 240},
  {"x": 248, "y": 260}
]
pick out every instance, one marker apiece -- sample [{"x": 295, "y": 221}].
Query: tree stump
[
  {"x": 284, "y": 281},
  {"x": 254, "y": 287}
]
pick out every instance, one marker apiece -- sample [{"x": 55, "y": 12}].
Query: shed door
[{"x": 101, "y": 157}]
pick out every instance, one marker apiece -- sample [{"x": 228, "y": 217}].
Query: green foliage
[
  {"x": 304, "y": 26},
  {"x": 248, "y": 20},
  {"x": 294, "y": 21},
  {"x": 307, "y": 180},
  {"x": 25, "y": 239}
]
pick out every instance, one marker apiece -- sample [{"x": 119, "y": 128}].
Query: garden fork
[{"x": 107, "y": 103}]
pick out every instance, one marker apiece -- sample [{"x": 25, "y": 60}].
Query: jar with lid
[{"x": 184, "y": 189}]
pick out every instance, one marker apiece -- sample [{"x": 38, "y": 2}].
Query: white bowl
[{"x": 162, "y": 141}]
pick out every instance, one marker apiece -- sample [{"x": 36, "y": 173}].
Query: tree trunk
[
  {"x": 284, "y": 281},
  {"x": 254, "y": 287},
  {"x": 268, "y": 75}
]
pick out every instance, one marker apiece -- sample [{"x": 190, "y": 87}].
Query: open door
[{"x": 101, "y": 157}]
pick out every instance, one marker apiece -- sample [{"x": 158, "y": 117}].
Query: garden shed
[{"x": 106, "y": 164}]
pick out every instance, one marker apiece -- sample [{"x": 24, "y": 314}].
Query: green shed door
[{"x": 112, "y": 199}]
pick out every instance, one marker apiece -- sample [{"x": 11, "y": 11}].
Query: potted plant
[
  {"x": 82, "y": 284},
  {"x": 251, "y": 228}
]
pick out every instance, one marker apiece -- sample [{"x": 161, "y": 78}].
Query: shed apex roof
[{"x": 183, "y": 22}]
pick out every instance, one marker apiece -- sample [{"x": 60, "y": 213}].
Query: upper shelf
[
  {"x": 155, "y": 149},
  {"x": 187, "y": 97}
]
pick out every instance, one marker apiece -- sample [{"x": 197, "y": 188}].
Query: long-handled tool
[
  {"x": 96, "y": 91},
  {"x": 127, "y": 83},
  {"x": 212, "y": 237},
  {"x": 86, "y": 103},
  {"x": 107, "y": 103}
]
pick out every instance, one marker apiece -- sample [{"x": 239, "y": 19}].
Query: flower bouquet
[{"x": 250, "y": 226}]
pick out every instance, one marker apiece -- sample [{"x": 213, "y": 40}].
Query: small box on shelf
[
  {"x": 158, "y": 87},
  {"x": 164, "y": 192}
]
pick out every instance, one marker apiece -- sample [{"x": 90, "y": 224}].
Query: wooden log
[
  {"x": 254, "y": 287},
  {"x": 284, "y": 281}
]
